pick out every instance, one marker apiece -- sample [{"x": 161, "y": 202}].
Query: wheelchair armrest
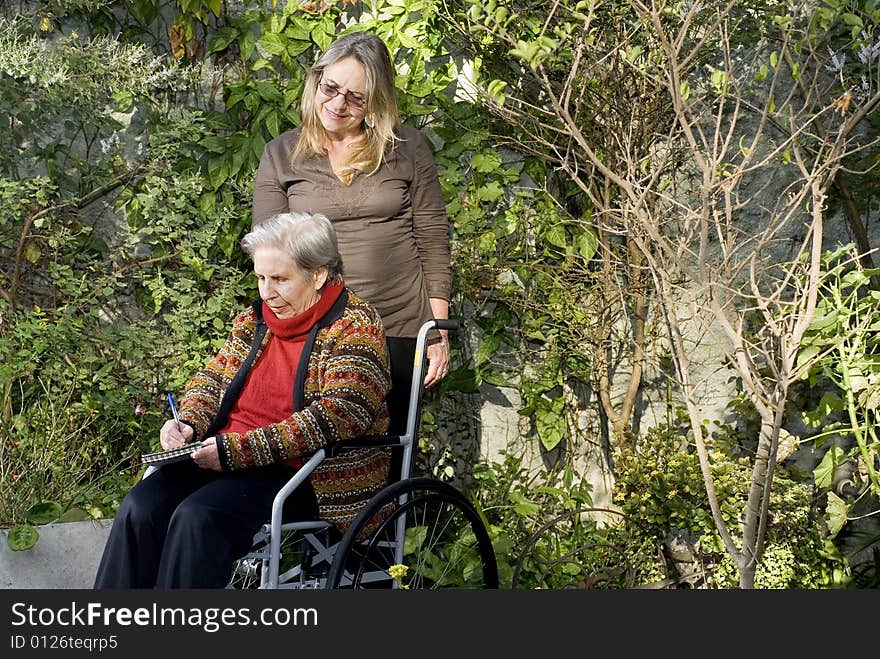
[{"x": 369, "y": 441}]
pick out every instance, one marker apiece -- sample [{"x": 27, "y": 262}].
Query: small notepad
[{"x": 178, "y": 454}]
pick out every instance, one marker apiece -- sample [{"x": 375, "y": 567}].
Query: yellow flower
[{"x": 398, "y": 571}]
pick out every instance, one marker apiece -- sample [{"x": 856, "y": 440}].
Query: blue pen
[{"x": 174, "y": 410}]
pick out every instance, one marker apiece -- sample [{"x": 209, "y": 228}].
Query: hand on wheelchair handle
[{"x": 438, "y": 361}]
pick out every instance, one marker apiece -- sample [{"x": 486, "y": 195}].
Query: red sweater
[{"x": 267, "y": 396}]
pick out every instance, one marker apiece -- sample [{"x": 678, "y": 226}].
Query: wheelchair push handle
[
  {"x": 446, "y": 324},
  {"x": 451, "y": 324}
]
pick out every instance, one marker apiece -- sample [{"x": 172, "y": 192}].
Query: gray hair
[{"x": 308, "y": 238}]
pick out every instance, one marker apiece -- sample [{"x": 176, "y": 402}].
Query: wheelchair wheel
[
  {"x": 445, "y": 545},
  {"x": 246, "y": 573}
]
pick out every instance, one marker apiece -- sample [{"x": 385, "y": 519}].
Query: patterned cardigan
[{"x": 339, "y": 393}]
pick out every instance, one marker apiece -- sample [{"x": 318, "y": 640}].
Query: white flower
[
  {"x": 836, "y": 63},
  {"x": 868, "y": 52}
]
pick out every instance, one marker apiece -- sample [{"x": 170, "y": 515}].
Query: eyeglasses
[{"x": 332, "y": 91}]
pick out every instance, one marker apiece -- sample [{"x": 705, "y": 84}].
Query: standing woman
[{"x": 353, "y": 161}]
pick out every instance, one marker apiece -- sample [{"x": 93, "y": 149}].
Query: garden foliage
[{"x": 131, "y": 133}]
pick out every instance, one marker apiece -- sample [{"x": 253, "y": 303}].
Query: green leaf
[
  {"x": 550, "y": 423},
  {"x": 273, "y": 124},
  {"x": 491, "y": 376},
  {"x": 856, "y": 378},
  {"x": 685, "y": 90},
  {"x": 221, "y": 39},
  {"x": 322, "y": 38},
  {"x": 524, "y": 506},
  {"x": 491, "y": 192},
  {"x": 43, "y": 512},
  {"x": 487, "y": 243},
  {"x": 21, "y": 537},
  {"x": 587, "y": 244},
  {"x": 275, "y": 44},
  {"x": 852, "y": 20},
  {"x": 505, "y": 224},
  {"x": 823, "y": 322},
  {"x": 407, "y": 41},
  {"x": 486, "y": 162},
  {"x": 546, "y": 489},
  {"x": 830, "y": 402},
  {"x": 462, "y": 379},
  {"x": 495, "y": 89},
  {"x": 246, "y": 45},
  {"x": 487, "y": 348},
  {"x": 855, "y": 279},
  {"x": 214, "y": 144},
  {"x": 835, "y": 513},
  {"x": 806, "y": 355},
  {"x": 257, "y": 146},
  {"x": 32, "y": 252},
  {"x": 823, "y": 474},
  {"x": 268, "y": 91},
  {"x": 556, "y": 236},
  {"x": 101, "y": 372},
  {"x": 525, "y": 51},
  {"x": 74, "y": 515}
]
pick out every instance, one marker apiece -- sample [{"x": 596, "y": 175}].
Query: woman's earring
[{"x": 370, "y": 120}]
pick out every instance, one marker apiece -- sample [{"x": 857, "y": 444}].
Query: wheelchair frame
[{"x": 360, "y": 560}]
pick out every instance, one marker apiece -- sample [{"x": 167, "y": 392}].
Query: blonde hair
[{"x": 381, "y": 116}]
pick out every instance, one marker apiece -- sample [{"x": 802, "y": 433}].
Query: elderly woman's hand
[
  {"x": 173, "y": 436},
  {"x": 207, "y": 457}
]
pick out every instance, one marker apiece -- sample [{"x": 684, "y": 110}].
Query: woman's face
[
  {"x": 283, "y": 286},
  {"x": 340, "y": 116}
]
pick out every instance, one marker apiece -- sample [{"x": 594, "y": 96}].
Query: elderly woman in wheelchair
[{"x": 303, "y": 367}]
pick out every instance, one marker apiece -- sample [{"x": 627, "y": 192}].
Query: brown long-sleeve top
[{"x": 392, "y": 226}]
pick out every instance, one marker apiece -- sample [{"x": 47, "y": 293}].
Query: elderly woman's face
[
  {"x": 283, "y": 286},
  {"x": 340, "y": 98}
]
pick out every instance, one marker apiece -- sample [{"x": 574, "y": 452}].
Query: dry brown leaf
[
  {"x": 175, "y": 38},
  {"x": 842, "y": 104},
  {"x": 194, "y": 48},
  {"x": 315, "y": 8}
]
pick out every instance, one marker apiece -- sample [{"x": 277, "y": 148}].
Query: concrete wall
[{"x": 65, "y": 556}]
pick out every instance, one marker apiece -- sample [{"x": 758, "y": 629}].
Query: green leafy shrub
[
  {"x": 545, "y": 531},
  {"x": 840, "y": 357},
  {"x": 660, "y": 489},
  {"x": 117, "y": 271}
]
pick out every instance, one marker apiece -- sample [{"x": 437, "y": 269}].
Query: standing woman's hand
[
  {"x": 438, "y": 361},
  {"x": 438, "y": 353}
]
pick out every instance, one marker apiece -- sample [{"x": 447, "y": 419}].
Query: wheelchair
[{"x": 416, "y": 533}]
